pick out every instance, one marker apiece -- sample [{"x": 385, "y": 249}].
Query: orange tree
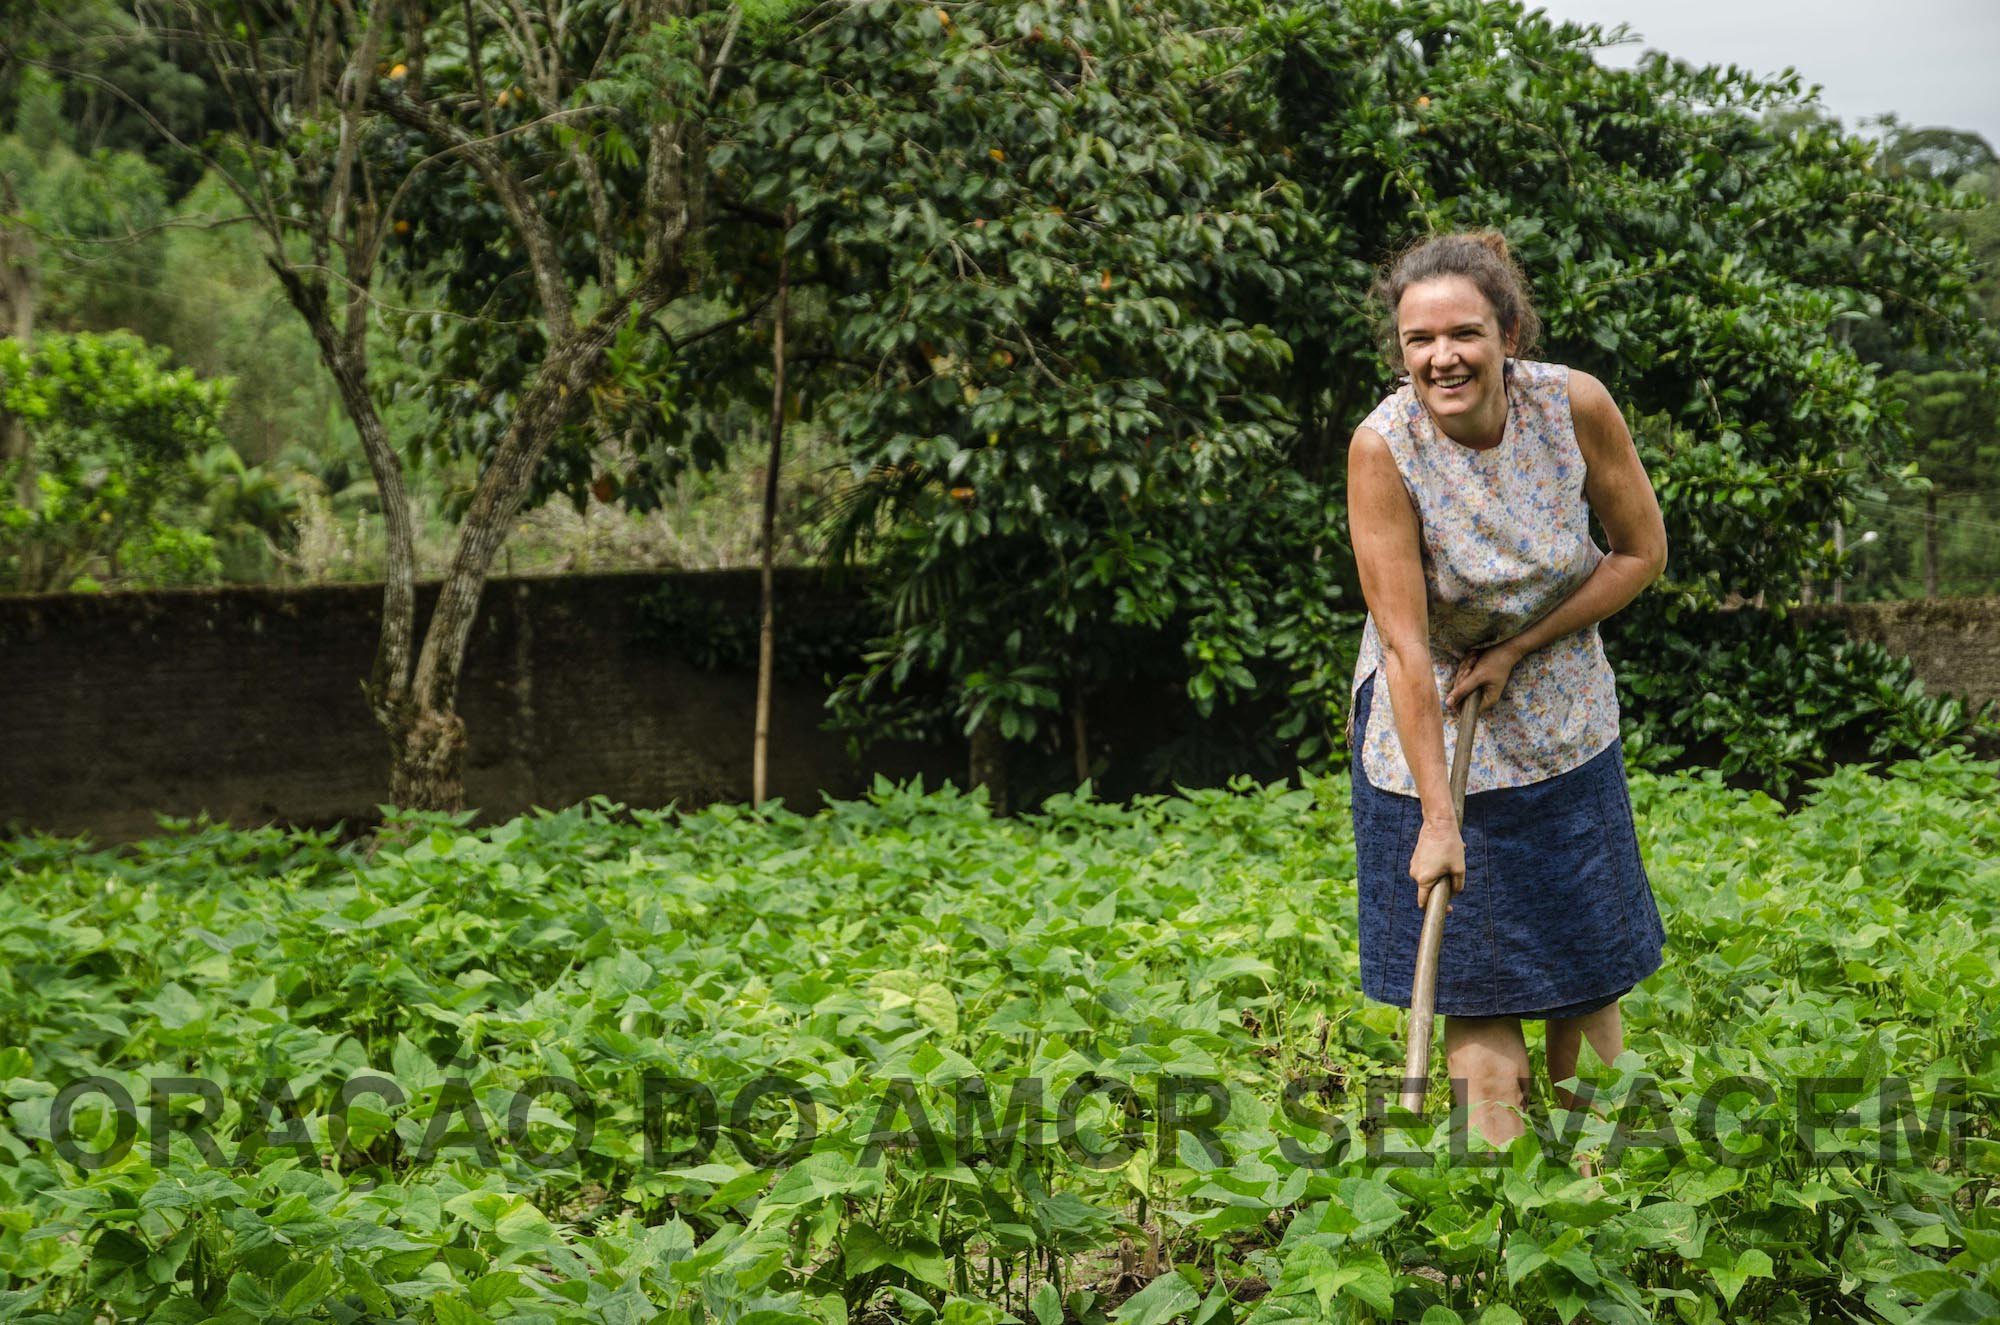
[{"x": 494, "y": 209}]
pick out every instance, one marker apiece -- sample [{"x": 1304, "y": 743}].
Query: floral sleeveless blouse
[{"x": 1506, "y": 537}]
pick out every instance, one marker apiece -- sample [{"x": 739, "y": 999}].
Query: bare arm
[
  {"x": 1622, "y": 497},
  {"x": 1388, "y": 552}
]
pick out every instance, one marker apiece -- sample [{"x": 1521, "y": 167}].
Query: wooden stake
[{"x": 760, "y": 749}]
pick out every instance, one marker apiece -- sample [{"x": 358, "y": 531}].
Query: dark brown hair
[{"x": 1481, "y": 257}]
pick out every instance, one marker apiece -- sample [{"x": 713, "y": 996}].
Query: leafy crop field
[{"x": 728, "y": 1067}]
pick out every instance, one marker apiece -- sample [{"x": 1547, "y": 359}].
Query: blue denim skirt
[{"x": 1557, "y": 918}]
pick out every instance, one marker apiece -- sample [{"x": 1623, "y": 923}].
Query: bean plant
[{"x": 788, "y": 1067}]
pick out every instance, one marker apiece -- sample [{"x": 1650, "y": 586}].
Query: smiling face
[{"x": 1456, "y": 355}]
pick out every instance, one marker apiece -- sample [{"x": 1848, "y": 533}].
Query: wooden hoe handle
[{"x": 1423, "y": 986}]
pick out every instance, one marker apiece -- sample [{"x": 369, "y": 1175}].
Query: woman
[{"x": 1470, "y": 493}]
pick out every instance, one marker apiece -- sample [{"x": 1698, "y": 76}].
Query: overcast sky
[{"x": 1932, "y": 62}]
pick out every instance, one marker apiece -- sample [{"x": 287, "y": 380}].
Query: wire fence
[{"x": 1893, "y": 555}]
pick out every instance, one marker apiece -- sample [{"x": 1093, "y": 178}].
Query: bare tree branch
[
  {"x": 353, "y": 89},
  {"x": 722, "y": 55},
  {"x": 551, "y": 286}
]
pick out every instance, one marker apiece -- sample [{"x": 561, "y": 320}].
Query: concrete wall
[{"x": 247, "y": 704}]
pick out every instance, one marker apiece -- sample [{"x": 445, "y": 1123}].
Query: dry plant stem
[
  {"x": 1080, "y": 735},
  {"x": 767, "y": 628},
  {"x": 18, "y": 290},
  {"x": 1423, "y": 985}
]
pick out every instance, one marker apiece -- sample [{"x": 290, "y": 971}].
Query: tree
[
  {"x": 1679, "y": 249},
  {"x": 1030, "y": 223},
  {"x": 540, "y": 175},
  {"x": 1982, "y": 234},
  {"x": 1936, "y": 152},
  {"x": 111, "y": 431},
  {"x": 1964, "y": 164},
  {"x": 1955, "y": 418}
]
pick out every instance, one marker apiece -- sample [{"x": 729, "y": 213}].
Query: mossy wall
[
  {"x": 246, "y": 704},
  {"x": 1954, "y": 642}
]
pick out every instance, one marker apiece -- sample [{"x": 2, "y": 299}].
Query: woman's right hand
[{"x": 1440, "y": 854}]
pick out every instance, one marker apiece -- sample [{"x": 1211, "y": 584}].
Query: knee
[
  {"x": 1491, "y": 1068},
  {"x": 1495, "y": 1079}
]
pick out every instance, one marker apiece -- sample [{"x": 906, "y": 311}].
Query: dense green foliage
[
  {"x": 912, "y": 937},
  {"x": 1770, "y": 700},
  {"x": 575, "y": 113},
  {"x": 120, "y": 248},
  {"x": 116, "y": 432},
  {"x": 1933, "y": 536},
  {"x": 1107, "y": 279},
  {"x": 1034, "y": 225},
  {"x": 145, "y": 98},
  {"x": 119, "y": 251}
]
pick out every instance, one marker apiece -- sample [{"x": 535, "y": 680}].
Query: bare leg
[
  {"x": 1606, "y": 1032},
  {"x": 1488, "y": 1058}
]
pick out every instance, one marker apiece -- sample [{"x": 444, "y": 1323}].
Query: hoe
[{"x": 1423, "y": 986}]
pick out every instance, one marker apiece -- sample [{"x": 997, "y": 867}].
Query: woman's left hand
[{"x": 1488, "y": 668}]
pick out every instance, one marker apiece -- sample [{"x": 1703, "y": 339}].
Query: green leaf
[
  {"x": 450, "y": 1311},
  {"x": 1730, "y": 1276},
  {"x": 1047, "y": 1304},
  {"x": 310, "y": 1289},
  {"x": 246, "y": 1294},
  {"x": 1360, "y": 1274},
  {"x": 524, "y": 1226},
  {"x": 865, "y": 1249},
  {"x": 1160, "y": 1301}
]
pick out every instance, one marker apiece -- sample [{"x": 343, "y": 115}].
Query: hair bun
[{"x": 1493, "y": 242}]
